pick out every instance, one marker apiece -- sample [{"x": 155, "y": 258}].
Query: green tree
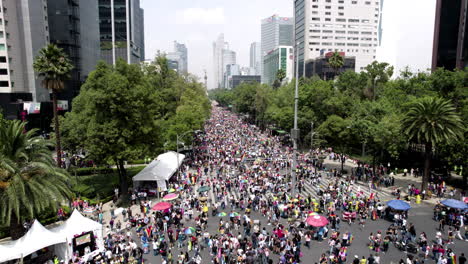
[
  {"x": 336, "y": 132},
  {"x": 280, "y": 75},
  {"x": 114, "y": 116},
  {"x": 377, "y": 74},
  {"x": 30, "y": 183},
  {"x": 432, "y": 121},
  {"x": 261, "y": 103},
  {"x": 54, "y": 67},
  {"x": 336, "y": 61}
]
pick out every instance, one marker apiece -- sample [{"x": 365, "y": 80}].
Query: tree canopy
[
  {"x": 358, "y": 109},
  {"x": 131, "y": 111}
]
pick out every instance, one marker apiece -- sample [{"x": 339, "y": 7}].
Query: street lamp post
[
  {"x": 311, "y": 136},
  {"x": 295, "y": 130}
]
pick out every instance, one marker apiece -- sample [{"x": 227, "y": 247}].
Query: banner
[
  {"x": 32, "y": 108},
  {"x": 62, "y": 105},
  {"x": 162, "y": 185}
]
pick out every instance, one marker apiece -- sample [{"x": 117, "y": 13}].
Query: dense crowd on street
[{"x": 239, "y": 179}]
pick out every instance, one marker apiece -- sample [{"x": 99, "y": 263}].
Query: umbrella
[
  {"x": 399, "y": 205},
  {"x": 203, "y": 198},
  {"x": 171, "y": 196},
  {"x": 317, "y": 220},
  {"x": 222, "y": 214},
  {"x": 161, "y": 206},
  {"x": 313, "y": 213},
  {"x": 454, "y": 204},
  {"x": 189, "y": 230},
  {"x": 233, "y": 214},
  {"x": 171, "y": 190},
  {"x": 203, "y": 189}
]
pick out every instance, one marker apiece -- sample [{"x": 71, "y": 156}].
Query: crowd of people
[{"x": 259, "y": 216}]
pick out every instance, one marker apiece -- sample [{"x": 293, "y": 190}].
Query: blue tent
[
  {"x": 454, "y": 204},
  {"x": 399, "y": 205}
]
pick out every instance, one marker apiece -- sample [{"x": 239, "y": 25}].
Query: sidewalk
[{"x": 400, "y": 182}]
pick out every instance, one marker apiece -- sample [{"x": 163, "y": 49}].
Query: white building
[
  {"x": 229, "y": 59},
  {"x": 255, "y": 58},
  {"x": 276, "y": 31},
  {"x": 218, "y": 47},
  {"x": 349, "y": 26},
  {"x": 279, "y": 58},
  {"x": 406, "y": 37}
]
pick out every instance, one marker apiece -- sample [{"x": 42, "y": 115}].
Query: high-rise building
[
  {"x": 255, "y": 57},
  {"x": 398, "y": 44},
  {"x": 23, "y": 32},
  {"x": 229, "y": 64},
  {"x": 182, "y": 49},
  {"x": 218, "y": 47},
  {"x": 279, "y": 58},
  {"x": 231, "y": 69},
  {"x": 450, "y": 48},
  {"x": 222, "y": 56},
  {"x": 73, "y": 26},
  {"x": 136, "y": 26},
  {"x": 276, "y": 31},
  {"x": 336, "y": 25},
  {"x": 180, "y": 55}
]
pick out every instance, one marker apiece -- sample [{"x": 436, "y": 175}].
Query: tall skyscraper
[
  {"x": 137, "y": 40},
  {"x": 182, "y": 49},
  {"x": 218, "y": 47},
  {"x": 222, "y": 56},
  {"x": 24, "y": 30},
  {"x": 336, "y": 25},
  {"x": 73, "y": 26},
  {"x": 451, "y": 35},
  {"x": 276, "y": 31},
  {"x": 398, "y": 44},
  {"x": 255, "y": 57}
]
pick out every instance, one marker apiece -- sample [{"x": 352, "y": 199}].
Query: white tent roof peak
[
  {"x": 76, "y": 225},
  {"x": 162, "y": 168},
  {"x": 36, "y": 238}
]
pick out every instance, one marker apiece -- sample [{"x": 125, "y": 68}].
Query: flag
[
  {"x": 149, "y": 230},
  {"x": 454, "y": 259}
]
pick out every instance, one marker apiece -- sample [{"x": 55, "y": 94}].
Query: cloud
[{"x": 203, "y": 16}]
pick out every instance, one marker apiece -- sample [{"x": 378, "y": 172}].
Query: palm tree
[
  {"x": 432, "y": 121},
  {"x": 54, "y": 66},
  {"x": 336, "y": 61},
  {"x": 30, "y": 182}
]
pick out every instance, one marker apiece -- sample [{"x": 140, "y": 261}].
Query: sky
[{"x": 197, "y": 24}]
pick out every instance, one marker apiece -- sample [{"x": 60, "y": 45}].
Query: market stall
[
  {"x": 82, "y": 234},
  {"x": 37, "y": 238},
  {"x": 160, "y": 170}
]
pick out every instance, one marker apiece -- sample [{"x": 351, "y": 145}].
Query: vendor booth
[
  {"x": 156, "y": 174},
  {"x": 82, "y": 234},
  {"x": 77, "y": 234},
  {"x": 37, "y": 238}
]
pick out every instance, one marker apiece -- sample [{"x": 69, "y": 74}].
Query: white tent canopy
[
  {"x": 76, "y": 225},
  {"x": 37, "y": 237},
  {"x": 162, "y": 168}
]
